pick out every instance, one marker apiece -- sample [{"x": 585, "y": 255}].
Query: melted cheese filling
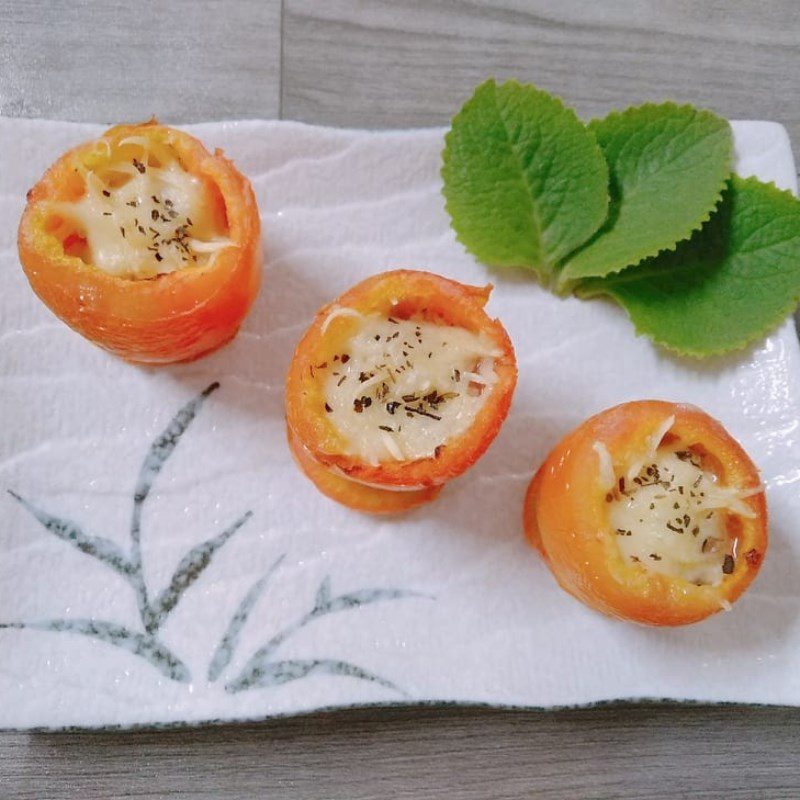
[
  {"x": 401, "y": 389},
  {"x": 142, "y": 214},
  {"x": 670, "y": 517}
]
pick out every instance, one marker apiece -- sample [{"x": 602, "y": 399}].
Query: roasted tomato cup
[
  {"x": 398, "y": 386},
  {"x": 145, "y": 243},
  {"x": 650, "y": 512}
]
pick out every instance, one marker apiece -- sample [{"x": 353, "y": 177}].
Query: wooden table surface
[{"x": 381, "y": 64}]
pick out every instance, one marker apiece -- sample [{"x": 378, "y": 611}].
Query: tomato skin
[
  {"x": 565, "y": 516},
  {"x": 403, "y": 294},
  {"x": 358, "y": 496},
  {"x": 178, "y": 316}
]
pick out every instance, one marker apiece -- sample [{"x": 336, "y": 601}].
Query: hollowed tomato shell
[
  {"x": 355, "y": 495},
  {"x": 566, "y": 516},
  {"x": 402, "y": 294},
  {"x": 173, "y": 317}
]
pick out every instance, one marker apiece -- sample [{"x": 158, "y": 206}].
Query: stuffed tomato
[
  {"x": 397, "y": 387},
  {"x": 145, "y": 243},
  {"x": 650, "y": 512}
]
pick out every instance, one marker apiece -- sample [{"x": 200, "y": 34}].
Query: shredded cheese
[
  {"x": 607, "y": 477},
  {"x": 142, "y": 213},
  {"x": 671, "y": 517},
  {"x": 652, "y": 443},
  {"x": 338, "y": 311},
  {"x": 401, "y": 389}
]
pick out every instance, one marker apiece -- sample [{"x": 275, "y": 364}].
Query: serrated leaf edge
[
  {"x": 742, "y": 343},
  {"x": 651, "y": 105},
  {"x": 720, "y": 351},
  {"x": 543, "y": 274},
  {"x": 569, "y": 285}
]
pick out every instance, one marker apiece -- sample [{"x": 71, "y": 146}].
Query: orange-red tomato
[
  {"x": 355, "y": 495},
  {"x": 391, "y": 485},
  {"x": 566, "y": 515},
  {"x": 165, "y": 318}
]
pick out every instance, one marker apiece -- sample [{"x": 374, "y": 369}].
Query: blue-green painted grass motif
[
  {"x": 230, "y": 639},
  {"x": 189, "y": 570},
  {"x": 160, "y": 450},
  {"x": 276, "y": 673},
  {"x": 96, "y": 546},
  {"x": 262, "y": 670},
  {"x": 140, "y": 644},
  {"x": 153, "y": 613}
]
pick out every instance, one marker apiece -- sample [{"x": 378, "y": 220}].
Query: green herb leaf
[
  {"x": 669, "y": 165},
  {"x": 728, "y": 285},
  {"x": 525, "y": 183}
]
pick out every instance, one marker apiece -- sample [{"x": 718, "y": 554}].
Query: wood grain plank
[
  {"x": 390, "y": 64},
  {"x": 412, "y": 63},
  {"x": 638, "y": 752},
  {"x": 117, "y": 61}
]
